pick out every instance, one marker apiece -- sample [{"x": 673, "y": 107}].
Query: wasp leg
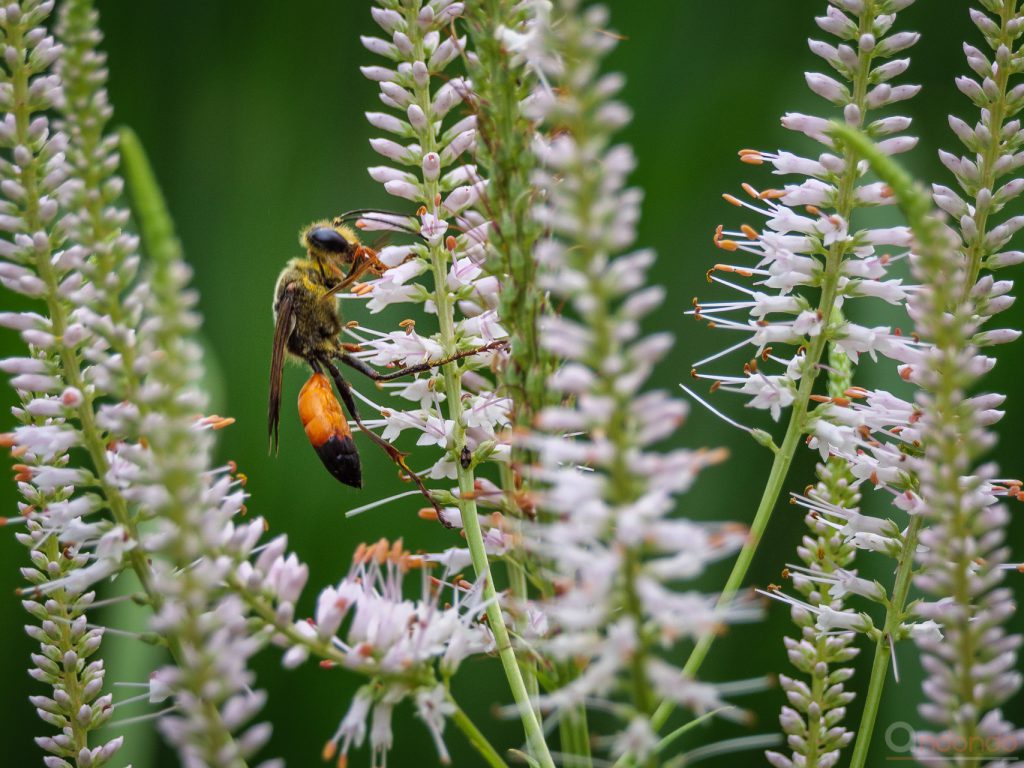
[
  {"x": 345, "y": 391},
  {"x": 364, "y": 260},
  {"x": 366, "y": 370}
]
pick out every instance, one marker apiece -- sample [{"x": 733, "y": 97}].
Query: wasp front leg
[{"x": 367, "y": 256}]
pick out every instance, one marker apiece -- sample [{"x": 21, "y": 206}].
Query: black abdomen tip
[{"x": 340, "y": 457}]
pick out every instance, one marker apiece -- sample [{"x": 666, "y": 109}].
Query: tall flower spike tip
[{"x": 165, "y": 471}]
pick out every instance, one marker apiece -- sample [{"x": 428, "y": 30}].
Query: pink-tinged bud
[
  {"x": 446, "y": 52},
  {"x": 896, "y": 43},
  {"x": 378, "y": 46},
  {"x": 426, "y": 17},
  {"x": 71, "y": 397},
  {"x": 457, "y": 146},
  {"x": 835, "y": 22},
  {"x": 431, "y": 166},
  {"x": 971, "y": 90},
  {"x": 396, "y": 94},
  {"x": 389, "y": 123},
  {"x": 420, "y": 74},
  {"x": 450, "y": 13},
  {"x": 897, "y": 144},
  {"x": 111, "y": 747},
  {"x": 1005, "y": 259},
  {"x": 417, "y": 119},
  {"x": 829, "y": 89},
  {"x": 460, "y": 198},
  {"x": 403, "y": 44}
]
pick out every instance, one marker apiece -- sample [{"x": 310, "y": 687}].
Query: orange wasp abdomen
[{"x": 328, "y": 430}]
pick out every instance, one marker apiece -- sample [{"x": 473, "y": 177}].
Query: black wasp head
[{"x": 327, "y": 239}]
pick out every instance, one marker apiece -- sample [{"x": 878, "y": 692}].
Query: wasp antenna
[
  {"x": 367, "y": 214},
  {"x": 355, "y": 213}
]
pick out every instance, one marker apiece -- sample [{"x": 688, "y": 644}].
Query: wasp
[{"x": 308, "y": 325}]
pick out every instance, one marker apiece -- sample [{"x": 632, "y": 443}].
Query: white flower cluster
[
  {"x": 408, "y": 648},
  {"x": 815, "y": 248},
  {"x": 604, "y": 535},
  {"x": 429, "y": 167}
]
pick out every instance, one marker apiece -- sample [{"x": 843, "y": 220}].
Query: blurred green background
[{"x": 252, "y": 115}]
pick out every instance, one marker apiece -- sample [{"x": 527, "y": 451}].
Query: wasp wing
[{"x": 285, "y": 323}]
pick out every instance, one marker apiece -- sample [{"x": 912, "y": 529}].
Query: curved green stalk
[{"x": 157, "y": 229}]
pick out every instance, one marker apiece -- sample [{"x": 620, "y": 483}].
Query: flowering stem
[
  {"x": 894, "y": 615},
  {"x": 811, "y": 368},
  {"x": 91, "y": 437},
  {"x": 504, "y": 137},
  {"x": 162, "y": 247},
  {"x": 471, "y": 521},
  {"x": 453, "y": 392},
  {"x": 504, "y": 148}
]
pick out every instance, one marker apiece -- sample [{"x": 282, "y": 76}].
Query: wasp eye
[{"x": 328, "y": 239}]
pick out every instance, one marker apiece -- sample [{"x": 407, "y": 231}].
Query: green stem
[
  {"x": 504, "y": 150},
  {"x": 678, "y": 733},
  {"x": 916, "y": 205},
  {"x": 518, "y": 582},
  {"x": 475, "y": 736},
  {"x": 895, "y": 613},
  {"x": 475, "y": 540}
]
